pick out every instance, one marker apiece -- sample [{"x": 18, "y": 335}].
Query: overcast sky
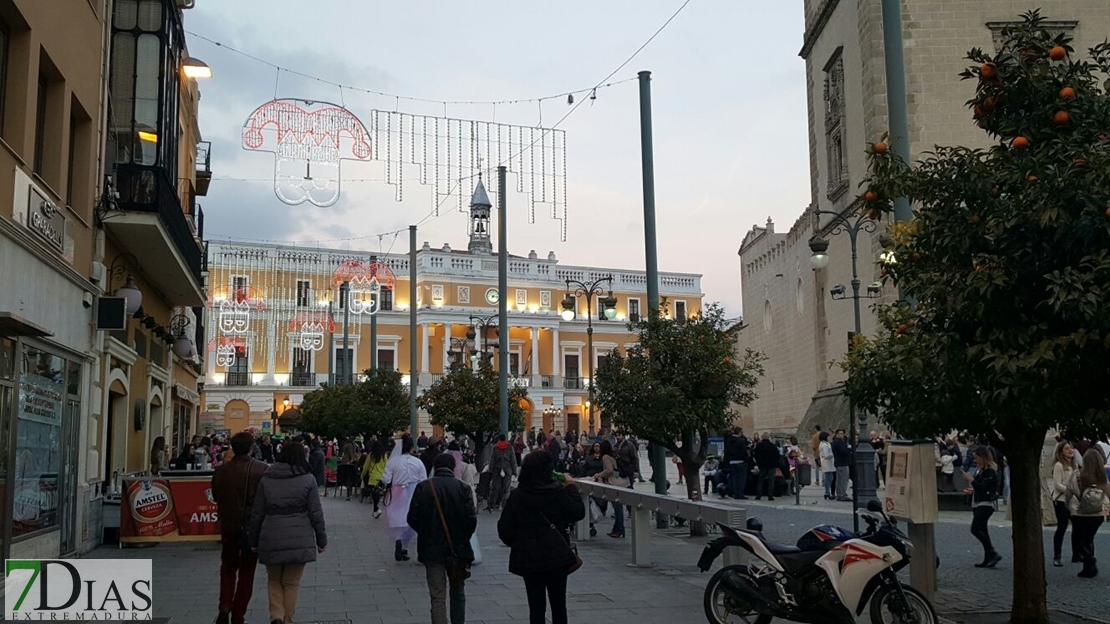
[{"x": 728, "y": 93}]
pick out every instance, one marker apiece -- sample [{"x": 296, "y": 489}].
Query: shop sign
[{"x": 45, "y": 219}]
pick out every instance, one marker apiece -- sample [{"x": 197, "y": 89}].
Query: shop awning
[{"x": 12, "y": 324}]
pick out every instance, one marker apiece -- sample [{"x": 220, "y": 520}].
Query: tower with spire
[{"x": 479, "y": 220}]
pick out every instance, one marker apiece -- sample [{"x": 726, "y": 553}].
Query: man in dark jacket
[
  {"x": 234, "y": 485},
  {"x": 766, "y": 456},
  {"x": 555, "y": 447},
  {"x": 438, "y": 503},
  {"x": 842, "y": 460},
  {"x": 737, "y": 456},
  {"x": 628, "y": 458},
  {"x": 502, "y": 467}
]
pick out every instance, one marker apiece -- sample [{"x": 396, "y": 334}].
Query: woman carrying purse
[
  {"x": 534, "y": 524},
  {"x": 1064, "y": 467}
]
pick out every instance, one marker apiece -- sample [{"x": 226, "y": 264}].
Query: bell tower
[{"x": 479, "y": 220}]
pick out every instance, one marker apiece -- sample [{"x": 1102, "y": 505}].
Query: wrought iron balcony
[
  {"x": 302, "y": 379},
  {"x": 204, "y": 167},
  {"x": 573, "y": 383},
  {"x": 237, "y": 379}
]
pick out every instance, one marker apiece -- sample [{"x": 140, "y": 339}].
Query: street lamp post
[
  {"x": 852, "y": 223},
  {"x": 458, "y": 348},
  {"x": 482, "y": 325},
  {"x": 608, "y": 304}
]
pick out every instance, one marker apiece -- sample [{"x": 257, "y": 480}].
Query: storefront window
[
  {"x": 73, "y": 379},
  {"x": 7, "y": 358},
  {"x": 38, "y": 444},
  {"x": 5, "y": 427}
]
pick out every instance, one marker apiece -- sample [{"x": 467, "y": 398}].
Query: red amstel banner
[{"x": 169, "y": 510}]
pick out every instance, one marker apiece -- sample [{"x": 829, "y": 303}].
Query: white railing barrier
[{"x": 644, "y": 503}]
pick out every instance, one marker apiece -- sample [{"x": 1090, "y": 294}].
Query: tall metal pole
[
  {"x": 331, "y": 346},
  {"x": 374, "y": 326},
  {"x": 345, "y": 297},
  {"x": 502, "y": 306},
  {"x": 896, "y": 93},
  {"x": 414, "y": 424},
  {"x": 590, "y": 357},
  {"x": 647, "y": 162}
]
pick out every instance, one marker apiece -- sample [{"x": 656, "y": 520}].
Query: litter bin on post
[{"x": 803, "y": 474}]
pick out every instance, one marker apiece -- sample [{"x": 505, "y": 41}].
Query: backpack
[{"x": 1088, "y": 502}]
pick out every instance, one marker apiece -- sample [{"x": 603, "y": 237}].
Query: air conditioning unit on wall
[{"x": 186, "y": 4}]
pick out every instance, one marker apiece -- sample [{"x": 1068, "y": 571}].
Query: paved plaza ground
[{"x": 357, "y": 581}]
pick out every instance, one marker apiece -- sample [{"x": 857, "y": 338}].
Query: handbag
[
  {"x": 457, "y": 570},
  {"x": 570, "y": 545}
]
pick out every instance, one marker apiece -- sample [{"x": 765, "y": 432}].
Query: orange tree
[
  {"x": 678, "y": 383},
  {"x": 467, "y": 402},
  {"x": 378, "y": 405},
  {"x": 1008, "y": 264}
]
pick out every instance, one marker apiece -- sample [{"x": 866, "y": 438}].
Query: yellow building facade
[{"x": 276, "y": 322}]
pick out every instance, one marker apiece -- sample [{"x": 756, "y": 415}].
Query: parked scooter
[{"x": 828, "y": 578}]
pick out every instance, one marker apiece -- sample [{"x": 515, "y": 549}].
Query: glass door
[
  {"x": 70, "y": 431},
  {"x": 6, "y": 397}
]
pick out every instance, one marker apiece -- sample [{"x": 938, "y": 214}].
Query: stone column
[
  {"x": 424, "y": 348},
  {"x": 446, "y": 345},
  {"x": 556, "y": 363},
  {"x": 534, "y": 357}
]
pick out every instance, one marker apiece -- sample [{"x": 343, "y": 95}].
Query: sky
[{"x": 729, "y": 118}]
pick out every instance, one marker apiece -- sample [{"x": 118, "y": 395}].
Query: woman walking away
[
  {"x": 984, "y": 487},
  {"x": 287, "y": 528},
  {"x": 1089, "y": 502},
  {"x": 403, "y": 471},
  {"x": 159, "y": 459},
  {"x": 826, "y": 455},
  {"x": 372, "y": 472},
  {"x": 535, "y": 525},
  {"x": 1063, "y": 470}
]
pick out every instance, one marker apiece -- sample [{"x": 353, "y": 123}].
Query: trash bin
[
  {"x": 802, "y": 472},
  {"x": 111, "y": 511}
]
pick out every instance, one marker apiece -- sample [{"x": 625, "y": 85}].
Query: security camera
[{"x": 87, "y": 300}]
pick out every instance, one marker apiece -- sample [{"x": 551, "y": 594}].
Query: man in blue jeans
[{"x": 737, "y": 458}]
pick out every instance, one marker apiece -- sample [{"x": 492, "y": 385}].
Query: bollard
[{"x": 641, "y": 536}]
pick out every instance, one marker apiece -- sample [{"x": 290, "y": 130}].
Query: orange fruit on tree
[
  {"x": 1020, "y": 142},
  {"x": 1061, "y": 118},
  {"x": 1067, "y": 93},
  {"x": 988, "y": 71},
  {"x": 1058, "y": 53},
  {"x": 871, "y": 197},
  {"x": 916, "y": 257},
  {"x": 1108, "y": 210},
  {"x": 880, "y": 148},
  {"x": 975, "y": 218},
  {"x": 902, "y": 328},
  {"x": 988, "y": 104},
  {"x": 995, "y": 192},
  {"x": 1033, "y": 178},
  {"x": 1080, "y": 162},
  {"x": 978, "y": 112}
]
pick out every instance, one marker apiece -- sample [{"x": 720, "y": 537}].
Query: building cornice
[{"x": 818, "y": 27}]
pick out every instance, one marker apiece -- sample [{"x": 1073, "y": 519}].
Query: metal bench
[{"x": 644, "y": 503}]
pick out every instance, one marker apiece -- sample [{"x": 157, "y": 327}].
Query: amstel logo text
[{"x": 93, "y": 590}]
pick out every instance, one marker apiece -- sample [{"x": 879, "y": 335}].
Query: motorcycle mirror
[
  {"x": 755, "y": 524},
  {"x": 874, "y": 506}
]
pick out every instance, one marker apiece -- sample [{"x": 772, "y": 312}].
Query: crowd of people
[{"x": 430, "y": 490}]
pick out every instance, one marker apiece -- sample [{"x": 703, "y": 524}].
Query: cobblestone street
[{"x": 357, "y": 581}]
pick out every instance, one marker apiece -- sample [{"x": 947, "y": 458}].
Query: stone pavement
[{"x": 357, "y": 581}]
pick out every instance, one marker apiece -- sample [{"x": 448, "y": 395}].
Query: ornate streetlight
[
  {"x": 482, "y": 324},
  {"x": 609, "y": 307},
  {"x": 852, "y": 222},
  {"x": 458, "y": 347},
  {"x": 182, "y": 346}
]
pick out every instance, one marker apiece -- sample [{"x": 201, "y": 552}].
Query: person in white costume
[{"x": 403, "y": 471}]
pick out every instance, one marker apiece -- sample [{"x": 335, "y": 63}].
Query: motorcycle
[{"x": 829, "y": 577}]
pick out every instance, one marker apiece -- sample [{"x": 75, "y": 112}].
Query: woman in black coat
[
  {"x": 287, "y": 528},
  {"x": 535, "y": 525}
]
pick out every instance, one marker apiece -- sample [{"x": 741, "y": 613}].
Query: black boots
[
  {"x": 399, "y": 552},
  {"x": 1090, "y": 569},
  {"x": 990, "y": 560}
]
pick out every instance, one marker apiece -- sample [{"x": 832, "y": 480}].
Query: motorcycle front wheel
[
  {"x": 888, "y": 607},
  {"x": 722, "y": 607}
]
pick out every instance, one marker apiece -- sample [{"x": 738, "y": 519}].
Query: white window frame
[
  {"x": 231, "y": 289},
  {"x": 307, "y": 293},
  {"x": 685, "y": 310},
  {"x": 388, "y": 347}
]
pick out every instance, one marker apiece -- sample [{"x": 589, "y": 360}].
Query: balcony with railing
[
  {"x": 302, "y": 379},
  {"x": 161, "y": 235},
  {"x": 573, "y": 383},
  {"x": 235, "y": 378},
  {"x": 204, "y": 167}
]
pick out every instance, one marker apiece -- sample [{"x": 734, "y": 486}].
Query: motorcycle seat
[{"x": 781, "y": 549}]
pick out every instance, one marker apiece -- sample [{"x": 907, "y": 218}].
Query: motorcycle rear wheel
[
  {"x": 724, "y": 608},
  {"x": 885, "y": 607}
]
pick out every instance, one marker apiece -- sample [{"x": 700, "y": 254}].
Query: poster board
[
  {"x": 175, "y": 509},
  {"x": 911, "y": 481}
]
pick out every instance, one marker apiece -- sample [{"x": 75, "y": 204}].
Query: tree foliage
[
  {"x": 467, "y": 402},
  {"x": 379, "y": 405},
  {"x": 678, "y": 383},
  {"x": 1008, "y": 260}
]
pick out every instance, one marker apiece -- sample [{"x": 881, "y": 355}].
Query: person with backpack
[
  {"x": 502, "y": 467},
  {"x": 1088, "y": 502}
]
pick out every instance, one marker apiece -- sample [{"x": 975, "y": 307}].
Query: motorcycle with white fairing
[{"x": 829, "y": 577}]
